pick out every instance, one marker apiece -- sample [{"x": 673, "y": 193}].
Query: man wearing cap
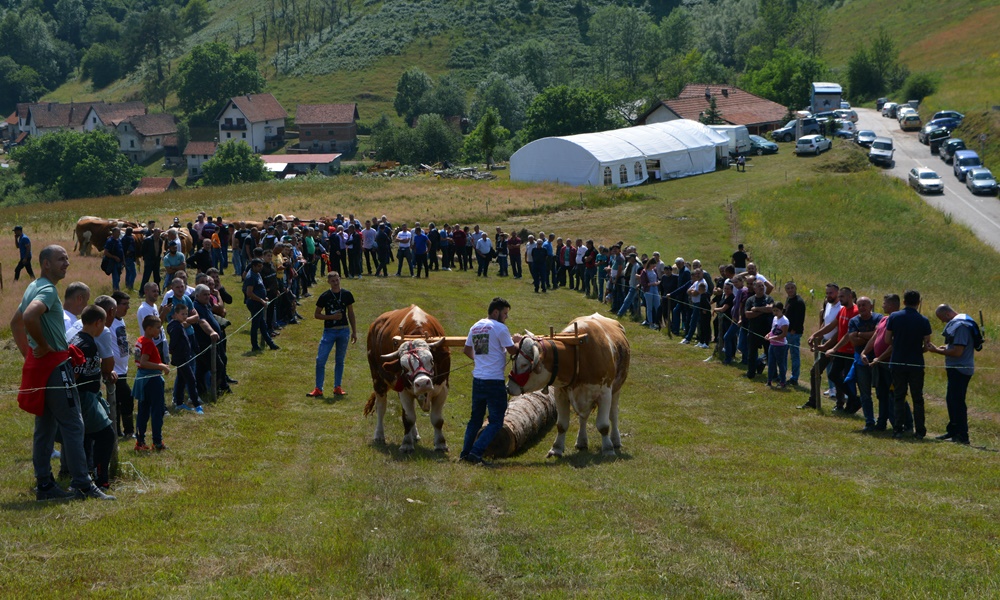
[
  {"x": 173, "y": 260},
  {"x": 24, "y": 250}
]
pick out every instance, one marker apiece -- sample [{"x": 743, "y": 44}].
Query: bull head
[
  {"x": 413, "y": 364},
  {"x": 526, "y": 367}
]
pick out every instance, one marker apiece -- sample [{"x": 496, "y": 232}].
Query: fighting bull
[
  {"x": 94, "y": 231},
  {"x": 583, "y": 376},
  {"x": 416, "y": 370}
]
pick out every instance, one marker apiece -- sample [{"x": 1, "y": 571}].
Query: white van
[{"x": 739, "y": 138}]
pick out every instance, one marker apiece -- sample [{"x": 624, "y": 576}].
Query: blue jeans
[
  {"x": 777, "y": 362},
  {"x": 116, "y": 276},
  {"x": 487, "y": 394},
  {"x": 130, "y": 273},
  {"x": 238, "y": 262},
  {"x": 652, "y": 307},
  {"x": 742, "y": 345},
  {"x": 729, "y": 342},
  {"x": 863, "y": 377},
  {"x": 185, "y": 379},
  {"x": 630, "y": 299},
  {"x": 794, "y": 343},
  {"x": 258, "y": 323},
  {"x": 692, "y": 324},
  {"x": 150, "y": 408},
  {"x": 681, "y": 313},
  {"x": 339, "y": 337},
  {"x": 217, "y": 258}
]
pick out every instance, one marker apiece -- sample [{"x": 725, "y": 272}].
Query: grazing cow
[
  {"x": 416, "y": 370},
  {"x": 584, "y": 376},
  {"x": 94, "y": 231}
]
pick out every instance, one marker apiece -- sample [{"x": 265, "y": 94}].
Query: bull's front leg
[
  {"x": 604, "y": 422},
  {"x": 380, "y": 402},
  {"x": 562, "y": 422},
  {"x": 437, "y": 420},
  {"x": 583, "y": 405},
  {"x": 409, "y": 422}
]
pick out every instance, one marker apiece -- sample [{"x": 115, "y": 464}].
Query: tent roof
[{"x": 646, "y": 140}]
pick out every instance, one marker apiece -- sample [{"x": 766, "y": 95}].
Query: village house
[
  {"x": 108, "y": 116},
  {"x": 196, "y": 153},
  {"x": 155, "y": 185},
  {"x": 257, "y": 119},
  {"x": 143, "y": 136},
  {"x": 736, "y": 106},
  {"x": 327, "y": 127},
  {"x": 284, "y": 166}
]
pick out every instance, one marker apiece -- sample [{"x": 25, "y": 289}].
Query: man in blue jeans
[
  {"x": 488, "y": 344},
  {"x": 335, "y": 307}
]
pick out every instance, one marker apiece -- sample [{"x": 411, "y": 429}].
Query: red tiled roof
[
  {"x": 54, "y": 114},
  {"x": 737, "y": 106},
  {"x": 259, "y": 107},
  {"x": 322, "y": 114},
  {"x": 116, "y": 112},
  {"x": 158, "y": 124},
  {"x": 22, "y": 109},
  {"x": 21, "y": 137},
  {"x": 298, "y": 159},
  {"x": 154, "y": 185},
  {"x": 196, "y": 148},
  {"x": 12, "y": 119}
]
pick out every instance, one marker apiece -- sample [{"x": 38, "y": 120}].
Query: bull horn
[
  {"x": 438, "y": 343},
  {"x": 389, "y": 356}
]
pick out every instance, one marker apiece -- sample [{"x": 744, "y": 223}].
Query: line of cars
[{"x": 967, "y": 167}]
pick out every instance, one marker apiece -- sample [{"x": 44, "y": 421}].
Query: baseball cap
[{"x": 18, "y": 228}]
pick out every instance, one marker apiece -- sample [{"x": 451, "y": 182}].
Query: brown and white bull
[
  {"x": 584, "y": 376},
  {"x": 94, "y": 231},
  {"x": 417, "y": 370}
]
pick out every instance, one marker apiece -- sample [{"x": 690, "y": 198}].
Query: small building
[
  {"x": 285, "y": 165},
  {"x": 196, "y": 153},
  {"x": 143, "y": 136},
  {"x": 257, "y": 119},
  {"x": 736, "y": 106},
  {"x": 47, "y": 117},
  {"x": 108, "y": 116},
  {"x": 327, "y": 127},
  {"x": 155, "y": 185}
]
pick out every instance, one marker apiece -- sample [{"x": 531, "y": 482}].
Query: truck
[
  {"x": 826, "y": 96},
  {"x": 739, "y": 138}
]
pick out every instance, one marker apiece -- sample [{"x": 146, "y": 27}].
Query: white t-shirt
[
  {"x": 580, "y": 252},
  {"x": 404, "y": 237},
  {"x": 105, "y": 343},
  {"x": 701, "y": 287},
  {"x": 145, "y": 310},
  {"x": 69, "y": 319},
  {"x": 489, "y": 341},
  {"x": 484, "y": 245},
  {"x": 527, "y": 251},
  {"x": 832, "y": 310},
  {"x": 123, "y": 349},
  {"x": 776, "y": 325},
  {"x": 170, "y": 294}
]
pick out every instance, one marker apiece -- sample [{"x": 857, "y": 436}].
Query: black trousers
[
  {"x": 420, "y": 261},
  {"x": 371, "y": 255},
  {"x": 912, "y": 378},
  {"x": 515, "y": 265},
  {"x": 24, "y": 264},
  {"x": 150, "y": 270},
  {"x": 126, "y": 406},
  {"x": 432, "y": 258}
]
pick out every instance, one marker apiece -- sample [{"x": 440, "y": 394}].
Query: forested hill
[{"x": 356, "y": 49}]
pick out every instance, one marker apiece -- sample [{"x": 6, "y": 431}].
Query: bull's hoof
[
  {"x": 441, "y": 448},
  {"x": 581, "y": 447},
  {"x": 555, "y": 453},
  {"x": 379, "y": 440},
  {"x": 406, "y": 449},
  {"x": 610, "y": 453}
]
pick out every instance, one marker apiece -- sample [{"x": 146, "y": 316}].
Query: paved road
[{"x": 980, "y": 213}]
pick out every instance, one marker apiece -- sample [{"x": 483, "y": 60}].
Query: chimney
[{"x": 725, "y": 93}]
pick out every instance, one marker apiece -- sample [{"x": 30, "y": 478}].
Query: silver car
[
  {"x": 925, "y": 180},
  {"x": 812, "y": 144},
  {"x": 981, "y": 181}
]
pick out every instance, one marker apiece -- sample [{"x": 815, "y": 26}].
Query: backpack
[{"x": 977, "y": 336}]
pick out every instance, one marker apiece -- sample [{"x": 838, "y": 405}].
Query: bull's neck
[{"x": 560, "y": 360}]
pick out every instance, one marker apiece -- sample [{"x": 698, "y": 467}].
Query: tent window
[
  {"x": 607, "y": 175},
  {"x": 638, "y": 170},
  {"x": 623, "y": 174}
]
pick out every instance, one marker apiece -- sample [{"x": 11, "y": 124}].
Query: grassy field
[{"x": 723, "y": 489}]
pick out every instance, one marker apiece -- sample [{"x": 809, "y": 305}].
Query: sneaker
[
  {"x": 185, "y": 407},
  {"x": 55, "y": 454},
  {"x": 685, "y": 341},
  {"x": 142, "y": 447},
  {"x": 274, "y": 347},
  {"x": 826, "y": 393},
  {"x": 92, "y": 492},
  {"x": 160, "y": 447},
  {"x": 316, "y": 393},
  {"x": 199, "y": 410},
  {"x": 703, "y": 346},
  {"x": 339, "y": 391},
  {"x": 53, "y": 492}
]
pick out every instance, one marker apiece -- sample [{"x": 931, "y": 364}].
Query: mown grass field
[{"x": 723, "y": 489}]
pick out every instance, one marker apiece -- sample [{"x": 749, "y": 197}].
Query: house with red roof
[
  {"x": 140, "y": 137},
  {"x": 257, "y": 119},
  {"x": 155, "y": 185},
  {"x": 284, "y": 166},
  {"x": 108, "y": 116},
  {"x": 327, "y": 127},
  {"x": 737, "y": 107},
  {"x": 196, "y": 154}
]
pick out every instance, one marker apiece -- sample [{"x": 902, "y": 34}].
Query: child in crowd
[
  {"x": 149, "y": 387},
  {"x": 180, "y": 357},
  {"x": 99, "y": 435},
  {"x": 777, "y": 353}
]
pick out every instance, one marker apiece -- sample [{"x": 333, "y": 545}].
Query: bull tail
[
  {"x": 370, "y": 405},
  {"x": 76, "y": 241}
]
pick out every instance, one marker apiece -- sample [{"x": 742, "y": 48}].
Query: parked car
[
  {"x": 825, "y": 116},
  {"x": 881, "y": 152},
  {"x": 902, "y": 111},
  {"x": 864, "y": 137},
  {"x": 937, "y": 137},
  {"x": 812, "y": 144},
  {"x": 880, "y": 103},
  {"x": 948, "y": 114},
  {"x": 889, "y": 110},
  {"x": 965, "y": 161},
  {"x": 847, "y": 114},
  {"x": 981, "y": 181},
  {"x": 845, "y": 129},
  {"x": 760, "y": 146},
  {"x": 925, "y": 180},
  {"x": 945, "y": 123},
  {"x": 948, "y": 149},
  {"x": 910, "y": 122},
  {"x": 844, "y": 104},
  {"x": 787, "y": 133}
]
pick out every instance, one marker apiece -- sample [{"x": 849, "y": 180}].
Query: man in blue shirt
[
  {"x": 909, "y": 334},
  {"x": 113, "y": 250},
  {"x": 959, "y": 358},
  {"x": 256, "y": 301},
  {"x": 24, "y": 248},
  {"x": 421, "y": 245}
]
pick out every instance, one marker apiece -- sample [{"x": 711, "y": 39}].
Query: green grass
[{"x": 723, "y": 488}]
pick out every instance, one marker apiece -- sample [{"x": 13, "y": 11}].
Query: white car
[
  {"x": 887, "y": 108},
  {"x": 812, "y": 144},
  {"x": 847, "y": 114},
  {"x": 904, "y": 110},
  {"x": 981, "y": 181},
  {"x": 925, "y": 180}
]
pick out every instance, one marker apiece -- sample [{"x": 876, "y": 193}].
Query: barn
[{"x": 621, "y": 157}]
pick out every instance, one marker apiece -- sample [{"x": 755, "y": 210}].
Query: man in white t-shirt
[
  {"x": 123, "y": 351},
  {"x": 151, "y": 294},
  {"x": 488, "y": 344},
  {"x": 76, "y": 298},
  {"x": 403, "y": 238},
  {"x": 169, "y": 294}
]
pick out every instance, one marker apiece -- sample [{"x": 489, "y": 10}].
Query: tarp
[{"x": 618, "y": 157}]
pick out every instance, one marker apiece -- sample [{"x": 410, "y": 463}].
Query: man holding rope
[{"x": 48, "y": 389}]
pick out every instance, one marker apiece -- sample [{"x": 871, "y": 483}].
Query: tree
[
  {"x": 17, "y": 84},
  {"x": 102, "y": 63},
  {"x": 563, "y": 110},
  {"x": 234, "y": 162},
  {"x": 150, "y": 35},
  {"x": 410, "y": 89},
  {"x": 534, "y": 60},
  {"x": 712, "y": 116},
  {"x": 196, "y": 14},
  {"x": 785, "y": 77},
  {"x": 77, "y": 165},
  {"x": 156, "y": 89},
  {"x": 212, "y": 73},
  {"x": 447, "y": 98},
  {"x": 510, "y": 97},
  {"x": 620, "y": 37},
  {"x": 874, "y": 69},
  {"x": 918, "y": 86},
  {"x": 484, "y": 139},
  {"x": 431, "y": 140}
]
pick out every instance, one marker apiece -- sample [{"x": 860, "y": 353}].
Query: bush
[{"x": 918, "y": 86}]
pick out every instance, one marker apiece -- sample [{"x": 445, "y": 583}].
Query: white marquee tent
[{"x": 621, "y": 157}]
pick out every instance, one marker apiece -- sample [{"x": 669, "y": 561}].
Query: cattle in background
[
  {"x": 585, "y": 376},
  {"x": 94, "y": 231},
  {"x": 183, "y": 235},
  {"x": 416, "y": 370}
]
